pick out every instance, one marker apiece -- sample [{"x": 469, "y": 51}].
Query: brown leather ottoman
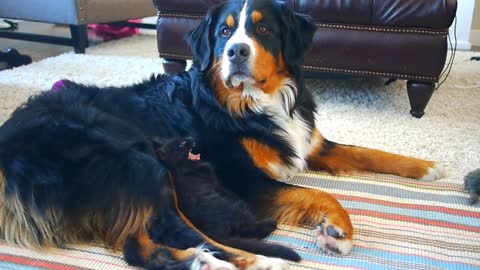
[{"x": 399, "y": 39}]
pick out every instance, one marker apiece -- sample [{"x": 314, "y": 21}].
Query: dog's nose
[{"x": 238, "y": 53}]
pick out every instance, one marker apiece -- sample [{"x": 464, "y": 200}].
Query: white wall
[
  {"x": 464, "y": 24},
  {"x": 475, "y": 35}
]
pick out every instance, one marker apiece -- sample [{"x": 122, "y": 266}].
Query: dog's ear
[
  {"x": 201, "y": 42},
  {"x": 298, "y": 37}
]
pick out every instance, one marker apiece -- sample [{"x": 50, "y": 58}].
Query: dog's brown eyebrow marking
[
  {"x": 256, "y": 16},
  {"x": 230, "y": 21}
]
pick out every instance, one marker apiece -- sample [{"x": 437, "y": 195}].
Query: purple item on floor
[{"x": 58, "y": 86}]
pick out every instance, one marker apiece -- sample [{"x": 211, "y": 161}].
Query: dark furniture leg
[
  {"x": 419, "y": 93},
  {"x": 79, "y": 37},
  {"x": 174, "y": 65}
]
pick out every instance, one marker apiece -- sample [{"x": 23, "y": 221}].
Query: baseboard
[
  {"x": 462, "y": 45},
  {"x": 475, "y": 38}
]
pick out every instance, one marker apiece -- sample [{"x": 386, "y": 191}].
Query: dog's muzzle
[{"x": 238, "y": 68}]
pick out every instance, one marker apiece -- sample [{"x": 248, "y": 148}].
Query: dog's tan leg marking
[
  {"x": 338, "y": 158},
  {"x": 303, "y": 206}
]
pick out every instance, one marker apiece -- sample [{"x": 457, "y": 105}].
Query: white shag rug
[{"x": 362, "y": 112}]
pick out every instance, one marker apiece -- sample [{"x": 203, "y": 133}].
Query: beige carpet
[{"x": 361, "y": 111}]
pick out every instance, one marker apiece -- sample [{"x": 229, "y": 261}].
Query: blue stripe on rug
[{"x": 14, "y": 266}]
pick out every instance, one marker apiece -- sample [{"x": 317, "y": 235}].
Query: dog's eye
[
  {"x": 262, "y": 29},
  {"x": 226, "y": 32}
]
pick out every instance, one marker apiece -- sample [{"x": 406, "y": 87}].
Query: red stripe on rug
[
  {"x": 305, "y": 264},
  {"x": 93, "y": 260},
  {"x": 53, "y": 252},
  {"x": 36, "y": 263},
  {"x": 394, "y": 226},
  {"x": 414, "y": 220},
  {"x": 410, "y": 206}
]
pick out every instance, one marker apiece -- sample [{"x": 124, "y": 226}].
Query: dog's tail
[
  {"x": 263, "y": 248},
  {"x": 22, "y": 219},
  {"x": 28, "y": 218}
]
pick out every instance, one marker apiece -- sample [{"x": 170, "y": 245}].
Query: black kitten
[
  {"x": 215, "y": 211},
  {"x": 472, "y": 185}
]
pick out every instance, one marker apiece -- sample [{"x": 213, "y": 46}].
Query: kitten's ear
[
  {"x": 158, "y": 142},
  {"x": 158, "y": 146}
]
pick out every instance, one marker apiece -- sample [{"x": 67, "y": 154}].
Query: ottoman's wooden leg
[{"x": 419, "y": 93}]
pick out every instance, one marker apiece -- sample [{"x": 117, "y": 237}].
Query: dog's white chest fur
[
  {"x": 292, "y": 128},
  {"x": 297, "y": 133}
]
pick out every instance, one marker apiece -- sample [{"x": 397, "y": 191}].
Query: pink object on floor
[
  {"x": 109, "y": 32},
  {"x": 58, "y": 86}
]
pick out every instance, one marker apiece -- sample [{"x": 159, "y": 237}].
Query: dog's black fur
[{"x": 88, "y": 152}]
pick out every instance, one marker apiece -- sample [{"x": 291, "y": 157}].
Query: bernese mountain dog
[{"x": 80, "y": 165}]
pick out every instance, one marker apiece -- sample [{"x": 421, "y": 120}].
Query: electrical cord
[{"x": 448, "y": 68}]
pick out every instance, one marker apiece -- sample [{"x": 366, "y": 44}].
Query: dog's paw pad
[{"x": 332, "y": 239}]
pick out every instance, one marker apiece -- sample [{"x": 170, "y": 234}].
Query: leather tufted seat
[
  {"x": 401, "y": 39},
  {"x": 402, "y": 13}
]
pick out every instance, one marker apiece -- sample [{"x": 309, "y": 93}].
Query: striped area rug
[{"x": 400, "y": 224}]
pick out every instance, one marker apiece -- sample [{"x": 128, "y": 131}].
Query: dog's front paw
[
  {"x": 434, "y": 172},
  {"x": 206, "y": 261},
  {"x": 316, "y": 208},
  {"x": 332, "y": 239},
  {"x": 266, "y": 263}
]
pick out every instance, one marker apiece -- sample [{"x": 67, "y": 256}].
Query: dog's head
[{"x": 250, "y": 50}]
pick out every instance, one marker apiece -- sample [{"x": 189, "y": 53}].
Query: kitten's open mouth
[{"x": 194, "y": 154}]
